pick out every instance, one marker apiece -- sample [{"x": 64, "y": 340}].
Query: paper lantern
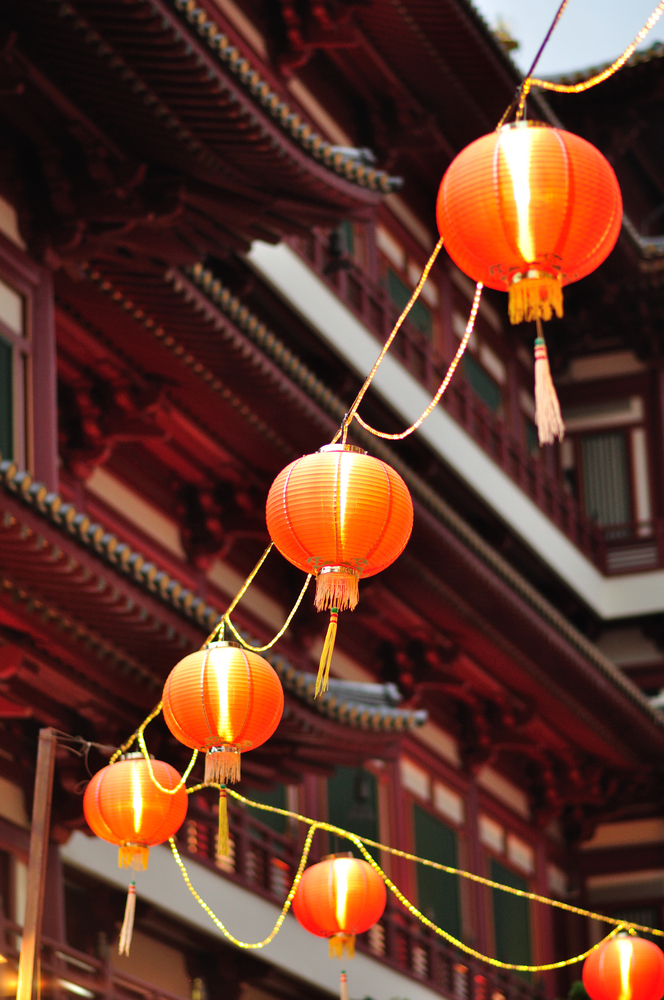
[
  {"x": 625, "y": 968},
  {"x": 223, "y": 700},
  {"x": 338, "y": 898},
  {"x": 123, "y": 806},
  {"x": 342, "y": 515},
  {"x": 528, "y": 209}
]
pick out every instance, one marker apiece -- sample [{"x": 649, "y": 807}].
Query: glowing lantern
[
  {"x": 625, "y": 968},
  {"x": 223, "y": 700},
  {"x": 338, "y": 898},
  {"x": 528, "y": 209},
  {"x": 342, "y": 515},
  {"x": 123, "y": 806}
]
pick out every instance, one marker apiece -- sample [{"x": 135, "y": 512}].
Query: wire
[
  {"x": 360, "y": 842},
  {"x": 578, "y": 88},
  {"x": 268, "y": 645},
  {"x": 470, "y": 326}
]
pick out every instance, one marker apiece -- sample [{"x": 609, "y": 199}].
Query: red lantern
[
  {"x": 339, "y": 514},
  {"x": 625, "y": 968},
  {"x": 528, "y": 209},
  {"x": 338, "y": 898},
  {"x": 124, "y": 806},
  {"x": 223, "y": 700}
]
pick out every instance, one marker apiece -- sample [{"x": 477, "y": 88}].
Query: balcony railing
[
  {"x": 67, "y": 974},
  {"x": 611, "y": 551},
  {"x": 265, "y": 861}
]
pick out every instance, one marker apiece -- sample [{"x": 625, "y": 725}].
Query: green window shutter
[
  {"x": 274, "y": 797},
  {"x": 481, "y": 383},
  {"x": 6, "y": 401},
  {"x": 606, "y": 477},
  {"x": 352, "y": 804},
  {"x": 400, "y": 293},
  {"x": 437, "y": 892},
  {"x": 511, "y": 918}
]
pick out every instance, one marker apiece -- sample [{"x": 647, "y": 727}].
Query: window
[
  {"x": 399, "y": 293},
  {"x": 28, "y": 413},
  {"x": 273, "y": 797},
  {"x": 511, "y": 918},
  {"x": 482, "y": 383},
  {"x": 352, "y": 803},
  {"x": 605, "y": 477},
  {"x": 437, "y": 892}
]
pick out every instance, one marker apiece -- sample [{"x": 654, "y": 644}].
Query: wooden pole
[{"x": 41, "y": 821}]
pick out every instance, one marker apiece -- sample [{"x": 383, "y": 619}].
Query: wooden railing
[
  {"x": 610, "y": 551},
  {"x": 67, "y": 974},
  {"x": 265, "y": 861}
]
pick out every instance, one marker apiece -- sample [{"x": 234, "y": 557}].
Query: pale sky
[{"x": 590, "y": 32}]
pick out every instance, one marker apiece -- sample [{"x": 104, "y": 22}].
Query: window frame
[{"x": 34, "y": 380}]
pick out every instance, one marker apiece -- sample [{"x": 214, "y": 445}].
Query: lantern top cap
[
  {"x": 216, "y": 645},
  {"x": 134, "y": 755},
  {"x": 342, "y": 447},
  {"x": 524, "y": 123},
  {"x": 339, "y": 854}
]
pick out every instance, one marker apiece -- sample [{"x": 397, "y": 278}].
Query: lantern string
[
  {"x": 268, "y": 645},
  {"x": 284, "y": 910},
  {"x": 343, "y": 430},
  {"x": 619, "y": 924},
  {"x": 359, "y": 843},
  {"x": 219, "y": 627},
  {"x": 578, "y": 88},
  {"x": 470, "y": 326},
  {"x": 140, "y": 736}
]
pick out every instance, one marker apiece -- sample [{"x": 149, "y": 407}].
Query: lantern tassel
[
  {"x": 343, "y": 987},
  {"x": 340, "y": 941},
  {"x": 547, "y": 408},
  {"x": 535, "y": 298},
  {"x": 133, "y": 856},
  {"x": 223, "y": 847},
  {"x": 322, "y": 681},
  {"x": 222, "y": 765},
  {"x": 128, "y": 923},
  {"x": 337, "y": 587}
]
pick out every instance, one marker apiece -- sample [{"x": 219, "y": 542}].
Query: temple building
[{"x": 211, "y": 214}]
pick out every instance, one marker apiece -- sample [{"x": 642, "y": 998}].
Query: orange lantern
[
  {"x": 625, "y": 968},
  {"x": 223, "y": 700},
  {"x": 338, "y": 898},
  {"x": 123, "y": 806},
  {"x": 528, "y": 209},
  {"x": 339, "y": 514}
]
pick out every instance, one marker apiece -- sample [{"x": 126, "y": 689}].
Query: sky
[{"x": 590, "y": 32}]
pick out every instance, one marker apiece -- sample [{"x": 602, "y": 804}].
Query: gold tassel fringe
[
  {"x": 548, "y": 417},
  {"x": 343, "y": 987},
  {"x": 322, "y": 680},
  {"x": 340, "y": 941},
  {"x": 535, "y": 298},
  {"x": 128, "y": 923},
  {"x": 222, "y": 764},
  {"x": 337, "y": 587},
  {"x": 133, "y": 856},
  {"x": 223, "y": 847}
]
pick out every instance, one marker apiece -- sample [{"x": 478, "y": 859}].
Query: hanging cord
[
  {"x": 268, "y": 645},
  {"x": 284, "y": 910},
  {"x": 139, "y": 735},
  {"x": 218, "y": 631},
  {"x": 360, "y": 842},
  {"x": 343, "y": 430},
  {"x": 578, "y": 88},
  {"x": 339, "y": 831},
  {"x": 443, "y": 385}
]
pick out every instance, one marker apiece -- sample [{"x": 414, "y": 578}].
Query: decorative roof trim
[
  {"x": 228, "y": 54},
  {"x": 347, "y": 711}
]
